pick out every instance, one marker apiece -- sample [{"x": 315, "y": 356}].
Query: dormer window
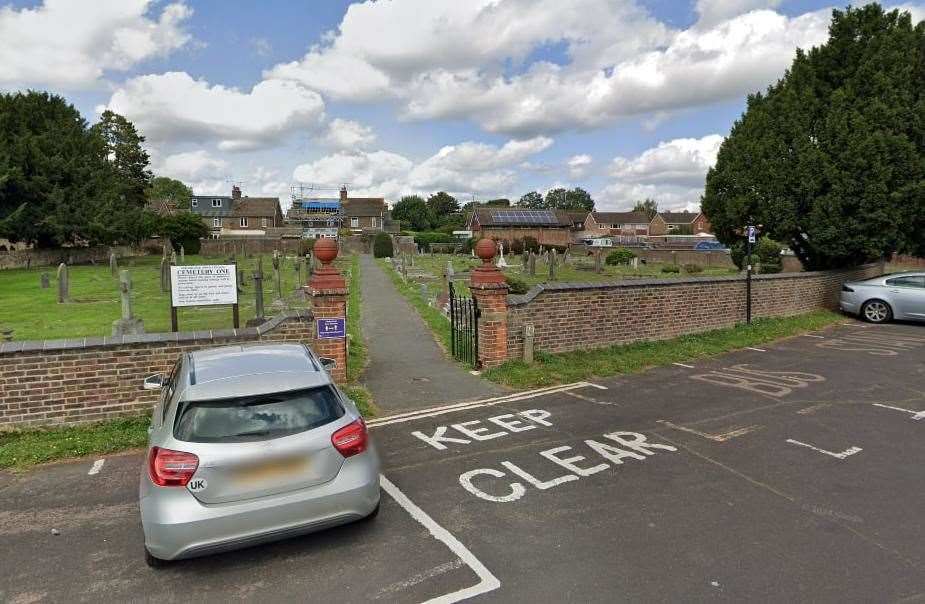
[{"x": 216, "y": 203}]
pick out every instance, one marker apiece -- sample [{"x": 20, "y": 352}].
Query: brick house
[
  {"x": 363, "y": 213},
  {"x": 237, "y": 215},
  {"x": 548, "y": 227},
  {"x": 602, "y": 224},
  {"x": 687, "y": 223}
]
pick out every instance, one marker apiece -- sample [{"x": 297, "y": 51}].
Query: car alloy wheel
[{"x": 876, "y": 311}]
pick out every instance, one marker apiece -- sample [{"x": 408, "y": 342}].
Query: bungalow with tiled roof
[{"x": 548, "y": 227}]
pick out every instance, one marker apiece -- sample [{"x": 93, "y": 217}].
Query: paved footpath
[{"x": 407, "y": 369}]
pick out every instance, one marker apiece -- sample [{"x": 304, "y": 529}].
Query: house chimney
[
  {"x": 343, "y": 194},
  {"x": 235, "y": 192}
]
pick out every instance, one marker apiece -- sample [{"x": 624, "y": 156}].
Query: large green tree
[
  {"x": 571, "y": 199},
  {"x": 648, "y": 205},
  {"x": 830, "y": 160},
  {"x": 533, "y": 200},
  {"x": 442, "y": 204},
  {"x": 170, "y": 189},
  {"x": 62, "y": 182},
  {"x": 413, "y": 212}
]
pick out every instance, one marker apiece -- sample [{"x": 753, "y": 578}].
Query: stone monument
[{"x": 128, "y": 324}]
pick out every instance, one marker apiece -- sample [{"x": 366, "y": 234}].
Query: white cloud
[
  {"x": 261, "y": 46},
  {"x": 578, "y": 165},
  {"x": 477, "y": 60},
  {"x": 348, "y": 134},
  {"x": 71, "y": 45},
  {"x": 467, "y": 167},
  {"x": 192, "y": 166},
  {"x": 672, "y": 173},
  {"x": 712, "y": 12},
  {"x": 174, "y": 107}
]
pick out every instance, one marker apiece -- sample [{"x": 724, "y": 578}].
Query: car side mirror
[
  {"x": 153, "y": 382},
  {"x": 328, "y": 363}
]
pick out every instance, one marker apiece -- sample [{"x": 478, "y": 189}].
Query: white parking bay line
[
  {"x": 487, "y": 581},
  {"x": 465, "y": 406},
  {"x": 755, "y": 349},
  {"x": 916, "y": 415},
  {"x": 809, "y": 335},
  {"x": 96, "y": 467},
  {"x": 683, "y": 365},
  {"x": 846, "y": 453}
]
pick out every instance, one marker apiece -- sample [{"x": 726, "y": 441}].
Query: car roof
[{"x": 245, "y": 370}]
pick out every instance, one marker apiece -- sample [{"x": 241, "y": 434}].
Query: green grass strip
[
  {"x": 20, "y": 449},
  {"x": 579, "y": 365}
]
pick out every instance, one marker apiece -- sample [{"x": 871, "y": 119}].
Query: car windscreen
[{"x": 260, "y": 417}]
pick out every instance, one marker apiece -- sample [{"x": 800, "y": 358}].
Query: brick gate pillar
[
  {"x": 489, "y": 289},
  {"x": 328, "y": 290}
]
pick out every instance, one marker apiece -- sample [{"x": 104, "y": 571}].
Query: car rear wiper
[{"x": 252, "y": 433}]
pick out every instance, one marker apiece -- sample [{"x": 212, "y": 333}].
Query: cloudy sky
[{"x": 483, "y": 98}]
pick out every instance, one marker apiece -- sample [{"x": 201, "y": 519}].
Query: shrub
[
  {"x": 531, "y": 244},
  {"x": 765, "y": 255},
  {"x": 382, "y": 246},
  {"x": 671, "y": 268},
  {"x": 467, "y": 246},
  {"x": 184, "y": 229},
  {"x": 306, "y": 245},
  {"x": 621, "y": 255},
  {"x": 693, "y": 268},
  {"x": 517, "y": 246},
  {"x": 517, "y": 285},
  {"x": 425, "y": 239}
]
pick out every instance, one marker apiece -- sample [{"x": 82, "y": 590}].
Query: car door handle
[{"x": 896, "y": 291}]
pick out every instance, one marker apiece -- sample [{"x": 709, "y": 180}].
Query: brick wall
[
  {"x": 90, "y": 379},
  {"x": 70, "y": 255},
  {"x": 548, "y": 236},
  {"x": 572, "y": 316}
]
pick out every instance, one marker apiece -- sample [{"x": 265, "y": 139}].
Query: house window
[
  {"x": 263, "y": 222},
  {"x": 215, "y": 235},
  {"x": 194, "y": 203},
  {"x": 354, "y": 222},
  {"x": 216, "y": 223},
  {"x": 244, "y": 221},
  {"x": 216, "y": 203},
  {"x": 372, "y": 222}
]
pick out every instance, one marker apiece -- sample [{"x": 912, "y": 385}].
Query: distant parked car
[
  {"x": 881, "y": 299},
  {"x": 711, "y": 246},
  {"x": 250, "y": 444}
]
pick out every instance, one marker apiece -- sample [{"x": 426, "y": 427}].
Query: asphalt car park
[{"x": 791, "y": 471}]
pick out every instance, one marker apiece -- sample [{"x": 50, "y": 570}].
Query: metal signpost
[
  {"x": 750, "y": 232},
  {"x": 203, "y": 285}
]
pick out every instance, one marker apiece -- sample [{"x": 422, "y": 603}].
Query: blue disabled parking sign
[{"x": 332, "y": 328}]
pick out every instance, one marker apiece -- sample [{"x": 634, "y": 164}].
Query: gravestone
[
  {"x": 258, "y": 295},
  {"x": 598, "y": 262},
  {"x": 635, "y": 263},
  {"x": 182, "y": 254},
  {"x": 276, "y": 276},
  {"x": 128, "y": 324},
  {"x": 113, "y": 265},
  {"x": 63, "y": 284},
  {"x": 502, "y": 263},
  {"x": 552, "y": 265},
  {"x": 450, "y": 272},
  {"x": 298, "y": 268},
  {"x": 525, "y": 258},
  {"x": 533, "y": 263},
  {"x": 240, "y": 280},
  {"x": 173, "y": 257},
  {"x": 165, "y": 274},
  {"x": 45, "y": 281}
]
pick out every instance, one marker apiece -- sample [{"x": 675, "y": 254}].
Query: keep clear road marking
[
  {"x": 487, "y": 581},
  {"x": 96, "y": 467},
  {"x": 489, "y": 402},
  {"x": 846, "y": 453},
  {"x": 916, "y": 415},
  {"x": 720, "y": 438}
]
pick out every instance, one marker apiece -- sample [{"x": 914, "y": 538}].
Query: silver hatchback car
[
  {"x": 250, "y": 444},
  {"x": 881, "y": 299}
]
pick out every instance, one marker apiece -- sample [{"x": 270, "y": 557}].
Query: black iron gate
[{"x": 464, "y": 328}]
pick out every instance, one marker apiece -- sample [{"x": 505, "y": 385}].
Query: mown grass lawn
[
  {"x": 34, "y": 313},
  {"x": 579, "y": 269}
]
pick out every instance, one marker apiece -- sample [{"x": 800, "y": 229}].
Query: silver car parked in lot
[
  {"x": 881, "y": 299},
  {"x": 251, "y": 444}
]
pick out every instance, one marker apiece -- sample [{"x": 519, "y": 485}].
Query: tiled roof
[
  {"x": 264, "y": 207},
  {"x": 364, "y": 206},
  {"x": 204, "y": 207},
  {"x": 679, "y": 217},
  {"x": 621, "y": 217}
]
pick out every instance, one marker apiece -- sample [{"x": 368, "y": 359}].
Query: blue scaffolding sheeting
[{"x": 321, "y": 205}]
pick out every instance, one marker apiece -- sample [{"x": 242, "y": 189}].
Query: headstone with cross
[{"x": 128, "y": 324}]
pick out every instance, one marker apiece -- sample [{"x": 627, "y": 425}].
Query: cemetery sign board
[{"x": 203, "y": 285}]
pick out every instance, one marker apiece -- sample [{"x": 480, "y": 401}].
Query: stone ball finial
[
  {"x": 486, "y": 249},
  {"x": 325, "y": 250}
]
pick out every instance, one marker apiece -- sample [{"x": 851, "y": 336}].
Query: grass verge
[
  {"x": 436, "y": 320},
  {"x": 357, "y": 354},
  {"x": 22, "y": 448},
  {"x": 551, "y": 369}
]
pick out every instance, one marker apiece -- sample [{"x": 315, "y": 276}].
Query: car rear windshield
[{"x": 261, "y": 417}]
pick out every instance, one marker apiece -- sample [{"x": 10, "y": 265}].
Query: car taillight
[
  {"x": 352, "y": 439},
  {"x": 845, "y": 288},
  {"x": 171, "y": 468}
]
